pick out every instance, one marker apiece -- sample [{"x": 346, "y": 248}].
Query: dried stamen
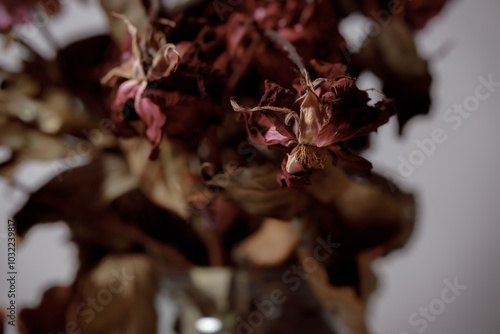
[{"x": 311, "y": 157}]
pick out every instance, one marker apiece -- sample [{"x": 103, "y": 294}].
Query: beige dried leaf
[
  {"x": 123, "y": 289},
  {"x": 27, "y": 143},
  {"x": 328, "y": 184},
  {"x": 258, "y": 193},
  {"x": 366, "y": 208},
  {"x": 271, "y": 245},
  {"x": 362, "y": 202},
  {"x": 52, "y": 110},
  {"x": 165, "y": 181}
]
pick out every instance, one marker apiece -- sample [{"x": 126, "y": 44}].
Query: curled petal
[
  {"x": 133, "y": 33},
  {"x": 125, "y": 71},
  {"x": 328, "y": 70},
  {"x": 127, "y": 90},
  {"x": 346, "y": 89},
  {"x": 293, "y": 166},
  {"x": 165, "y": 62},
  {"x": 271, "y": 115},
  {"x": 189, "y": 118},
  {"x": 273, "y": 137},
  {"x": 284, "y": 100},
  {"x": 254, "y": 131},
  {"x": 344, "y": 123},
  {"x": 154, "y": 118},
  {"x": 238, "y": 108},
  {"x": 136, "y": 61},
  {"x": 359, "y": 163},
  {"x": 292, "y": 181},
  {"x": 132, "y": 68},
  {"x": 311, "y": 119}
]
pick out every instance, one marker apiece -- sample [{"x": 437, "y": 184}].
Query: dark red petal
[
  {"x": 188, "y": 117},
  {"x": 277, "y": 96},
  {"x": 327, "y": 70},
  {"x": 345, "y": 88},
  {"x": 359, "y": 163},
  {"x": 126, "y": 91},
  {"x": 293, "y": 181},
  {"x": 345, "y": 123}
]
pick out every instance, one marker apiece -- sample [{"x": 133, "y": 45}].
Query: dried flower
[
  {"x": 310, "y": 26},
  {"x": 140, "y": 69},
  {"x": 331, "y": 111}
]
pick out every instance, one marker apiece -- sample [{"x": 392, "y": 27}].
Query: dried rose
[
  {"x": 331, "y": 111},
  {"x": 142, "y": 66},
  {"x": 311, "y": 26}
]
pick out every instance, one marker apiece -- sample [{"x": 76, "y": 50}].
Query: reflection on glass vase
[{"x": 239, "y": 301}]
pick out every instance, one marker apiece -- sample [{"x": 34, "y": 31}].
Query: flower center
[{"x": 311, "y": 157}]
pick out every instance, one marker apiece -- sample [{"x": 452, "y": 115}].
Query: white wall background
[
  {"x": 458, "y": 186},
  {"x": 458, "y": 189}
]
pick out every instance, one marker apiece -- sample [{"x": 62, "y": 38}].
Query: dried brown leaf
[
  {"x": 271, "y": 245},
  {"x": 123, "y": 288}
]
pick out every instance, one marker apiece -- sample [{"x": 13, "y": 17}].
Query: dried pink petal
[{"x": 152, "y": 115}]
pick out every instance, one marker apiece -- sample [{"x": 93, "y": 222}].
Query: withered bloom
[
  {"x": 314, "y": 124},
  {"x": 310, "y": 26},
  {"x": 144, "y": 63}
]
